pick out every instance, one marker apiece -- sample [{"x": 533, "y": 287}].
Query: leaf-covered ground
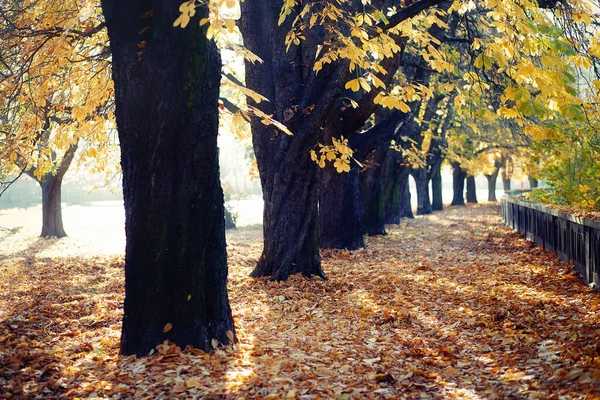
[{"x": 451, "y": 305}]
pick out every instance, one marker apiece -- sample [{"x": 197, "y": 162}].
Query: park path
[{"x": 450, "y": 305}]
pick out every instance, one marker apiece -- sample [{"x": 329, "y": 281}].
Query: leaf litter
[{"x": 450, "y": 305}]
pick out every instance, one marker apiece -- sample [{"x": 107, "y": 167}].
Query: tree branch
[
  {"x": 409, "y": 12},
  {"x": 9, "y": 184}
]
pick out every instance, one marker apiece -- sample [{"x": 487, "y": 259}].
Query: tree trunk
[
  {"x": 423, "y": 199},
  {"x": 533, "y": 183},
  {"x": 167, "y": 117},
  {"x": 52, "y": 223},
  {"x": 492, "y": 186},
  {"x": 340, "y": 212},
  {"x": 506, "y": 175},
  {"x": 391, "y": 192},
  {"x": 372, "y": 194},
  {"x": 437, "y": 202},
  {"x": 405, "y": 197},
  {"x": 289, "y": 178},
  {"x": 471, "y": 189},
  {"x": 458, "y": 184},
  {"x": 51, "y": 185},
  {"x": 506, "y": 183}
]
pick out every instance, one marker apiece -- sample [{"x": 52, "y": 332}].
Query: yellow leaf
[
  {"x": 353, "y": 85},
  {"x": 363, "y": 83},
  {"x": 183, "y": 20},
  {"x": 167, "y": 327}
]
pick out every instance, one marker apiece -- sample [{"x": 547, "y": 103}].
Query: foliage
[
  {"x": 56, "y": 83},
  {"x": 571, "y": 167}
]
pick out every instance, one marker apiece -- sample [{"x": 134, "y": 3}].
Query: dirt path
[{"x": 451, "y": 305}]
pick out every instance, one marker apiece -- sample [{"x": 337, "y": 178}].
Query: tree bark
[
  {"x": 52, "y": 223},
  {"x": 423, "y": 199},
  {"x": 492, "y": 186},
  {"x": 372, "y": 194},
  {"x": 340, "y": 211},
  {"x": 167, "y": 118},
  {"x": 458, "y": 184},
  {"x": 391, "y": 192},
  {"x": 506, "y": 183},
  {"x": 301, "y": 99},
  {"x": 405, "y": 197},
  {"x": 471, "y": 189},
  {"x": 437, "y": 202}
]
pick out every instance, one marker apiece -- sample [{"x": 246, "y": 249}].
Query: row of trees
[{"x": 347, "y": 100}]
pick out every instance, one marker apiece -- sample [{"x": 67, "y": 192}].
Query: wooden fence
[{"x": 572, "y": 238}]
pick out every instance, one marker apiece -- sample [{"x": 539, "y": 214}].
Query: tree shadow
[{"x": 36, "y": 246}]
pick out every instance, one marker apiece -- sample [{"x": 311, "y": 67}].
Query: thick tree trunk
[
  {"x": 372, "y": 194},
  {"x": 458, "y": 184},
  {"x": 289, "y": 178},
  {"x": 491, "y": 179},
  {"x": 437, "y": 202},
  {"x": 391, "y": 191},
  {"x": 471, "y": 189},
  {"x": 423, "y": 199},
  {"x": 52, "y": 223},
  {"x": 167, "y": 117},
  {"x": 340, "y": 211},
  {"x": 290, "y": 191}
]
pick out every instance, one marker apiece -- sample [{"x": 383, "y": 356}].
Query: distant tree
[{"x": 55, "y": 83}]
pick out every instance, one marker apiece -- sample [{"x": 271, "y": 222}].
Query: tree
[
  {"x": 301, "y": 99},
  {"x": 58, "y": 96},
  {"x": 166, "y": 92}
]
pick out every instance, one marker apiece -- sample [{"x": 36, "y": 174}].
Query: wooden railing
[{"x": 572, "y": 238}]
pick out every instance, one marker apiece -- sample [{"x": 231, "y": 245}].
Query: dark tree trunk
[
  {"x": 167, "y": 117},
  {"x": 437, "y": 202},
  {"x": 289, "y": 178},
  {"x": 340, "y": 212},
  {"x": 372, "y": 194},
  {"x": 405, "y": 197},
  {"x": 423, "y": 199},
  {"x": 458, "y": 184},
  {"x": 51, "y": 184},
  {"x": 291, "y": 238},
  {"x": 391, "y": 191},
  {"x": 491, "y": 179},
  {"x": 533, "y": 183},
  {"x": 230, "y": 219},
  {"x": 52, "y": 223},
  {"x": 471, "y": 189}
]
